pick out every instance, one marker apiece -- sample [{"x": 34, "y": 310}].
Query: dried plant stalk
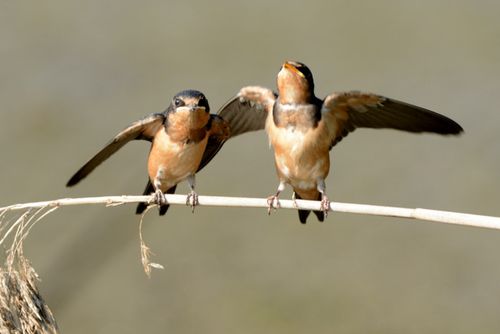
[
  {"x": 388, "y": 211},
  {"x": 146, "y": 252},
  {"x": 22, "y": 308}
]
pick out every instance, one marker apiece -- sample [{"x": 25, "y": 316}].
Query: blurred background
[{"x": 75, "y": 73}]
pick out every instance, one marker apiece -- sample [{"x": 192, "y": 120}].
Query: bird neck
[
  {"x": 187, "y": 127},
  {"x": 291, "y": 95},
  {"x": 298, "y": 116}
]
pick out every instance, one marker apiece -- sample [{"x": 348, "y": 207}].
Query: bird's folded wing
[{"x": 217, "y": 136}]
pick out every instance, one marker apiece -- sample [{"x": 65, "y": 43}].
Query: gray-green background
[{"x": 74, "y": 73}]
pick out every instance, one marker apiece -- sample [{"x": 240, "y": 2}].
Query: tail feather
[
  {"x": 303, "y": 214},
  {"x": 320, "y": 215},
  {"x": 141, "y": 207}
]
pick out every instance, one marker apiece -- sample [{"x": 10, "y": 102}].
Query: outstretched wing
[
  {"x": 351, "y": 110},
  {"x": 218, "y": 134},
  {"x": 248, "y": 110},
  {"x": 143, "y": 129}
]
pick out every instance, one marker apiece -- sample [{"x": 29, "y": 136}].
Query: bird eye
[{"x": 178, "y": 102}]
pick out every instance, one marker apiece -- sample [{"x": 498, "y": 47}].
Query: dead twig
[
  {"x": 23, "y": 310},
  {"x": 446, "y": 217}
]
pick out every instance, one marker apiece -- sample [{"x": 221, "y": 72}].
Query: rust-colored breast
[
  {"x": 171, "y": 162},
  {"x": 186, "y": 125},
  {"x": 176, "y": 153}
]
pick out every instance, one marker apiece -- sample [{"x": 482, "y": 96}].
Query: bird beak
[
  {"x": 196, "y": 108},
  {"x": 289, "y": 66},
  {"x": 190, "y": 108}
]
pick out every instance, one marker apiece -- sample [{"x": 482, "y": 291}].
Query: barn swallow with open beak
[
  {"x": 302, "y": 128},
  {"x": 185, "y": 137}
]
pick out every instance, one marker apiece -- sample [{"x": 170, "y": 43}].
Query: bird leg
[
  {"x": 192, "y": 197},
  {"x": 159, "y": 197},
  {"x": 273, "y": 201},
  {"x": 325, "y": 202},
  {"x": 294, "y": 200}
]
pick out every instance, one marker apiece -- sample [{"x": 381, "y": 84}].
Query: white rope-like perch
[
  {"x": 16, "y": 227},
  {"x": 420, "y": 214}
]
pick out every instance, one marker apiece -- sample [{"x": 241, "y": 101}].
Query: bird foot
[
  {"x": 192, "y": 200},
  {"x": 272, "y": 203},
  {"x": 159, "y": 198},
  {"x": 325, "y": 205}
]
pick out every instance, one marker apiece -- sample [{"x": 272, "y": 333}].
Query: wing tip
[
  {"x": 450, "y": 127},
  {"x": 458, "y": 129},
  {"x": 74, "y": 180}
]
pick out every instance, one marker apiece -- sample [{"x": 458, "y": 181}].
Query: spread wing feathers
[
  {"x": 351, "y": 110},
  {"x": 145, "y": 128},
  {"x": 218, "y": 134},
  {"x": 248, "y": 110}
]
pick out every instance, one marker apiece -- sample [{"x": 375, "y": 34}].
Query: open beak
[{"x": 289, "y": 66}]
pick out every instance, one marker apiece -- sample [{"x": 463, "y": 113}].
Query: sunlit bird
[
  {"x": 303, "y": 128},
  {"x": 185, "y": 137}
]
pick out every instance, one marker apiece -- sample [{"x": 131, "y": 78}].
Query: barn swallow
[
  {"x": 184, "y": 138},
  {"x": 302, "y": 128}
]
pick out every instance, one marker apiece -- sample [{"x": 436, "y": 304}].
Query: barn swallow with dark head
[
  {"x": 302, "y": 128},
  {"x": 185, "y": 137}
]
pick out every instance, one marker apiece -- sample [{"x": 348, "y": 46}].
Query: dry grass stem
[
  {"x": 146, "y": 251},
  {"x": 22, "y": 308},
  {"x": 419, "y": 214}
]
